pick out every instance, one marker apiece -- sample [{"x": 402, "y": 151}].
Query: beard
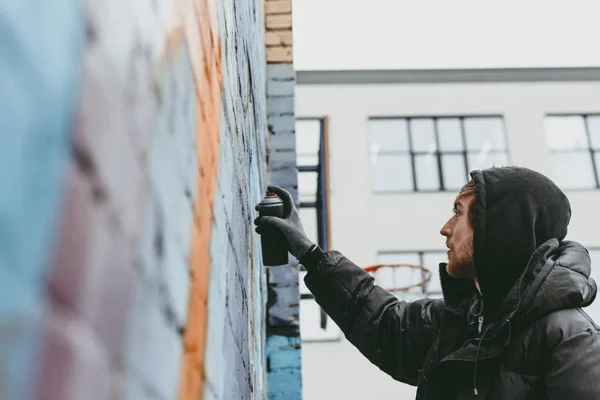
[{"x": 460, "y": 263}]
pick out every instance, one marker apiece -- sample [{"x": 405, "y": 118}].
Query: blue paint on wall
[
  {"x": 41, "y": 48},
  {"x": 284, "y": 367},
  {"x": 21, "y": 316},
  {"x": 41, "y": 55},
  {"x": 283, "y": 343}
]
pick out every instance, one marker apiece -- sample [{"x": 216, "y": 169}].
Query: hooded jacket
[{"x": 535, "y": 341}]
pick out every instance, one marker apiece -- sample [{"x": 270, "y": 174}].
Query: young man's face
[{"x": 459, "y": 240}]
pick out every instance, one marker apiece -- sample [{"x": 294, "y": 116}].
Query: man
[{"x": 510, "y": 325}]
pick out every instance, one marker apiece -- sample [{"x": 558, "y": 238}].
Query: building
[{"x": 400, "y": 145}]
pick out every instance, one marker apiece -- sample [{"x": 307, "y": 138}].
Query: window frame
[
  {"x": 438, "y": 153},
  {"x": 307, "y": 325},
  {"x": 588, "y": 149}
]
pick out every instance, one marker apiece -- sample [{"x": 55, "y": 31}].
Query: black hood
[{"x": 516, "y": 211}]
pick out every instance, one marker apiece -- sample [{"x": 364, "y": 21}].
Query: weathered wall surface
[
  {"x": 132, "y": 154},
  {"x": 235, "y": 366},
  {"x": 283, "y": 328}
]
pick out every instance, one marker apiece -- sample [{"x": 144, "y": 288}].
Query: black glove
[{"x": 290, "y": 225}]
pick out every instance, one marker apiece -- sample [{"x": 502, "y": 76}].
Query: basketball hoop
[{"x": 405, "y": 281}]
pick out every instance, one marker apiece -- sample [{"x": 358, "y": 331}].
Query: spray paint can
[{"x": 274, "y": 245}]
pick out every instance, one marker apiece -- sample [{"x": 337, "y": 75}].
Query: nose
[{"x": 447, "y": 228}]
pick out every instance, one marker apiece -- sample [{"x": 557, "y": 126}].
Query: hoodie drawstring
[
  {"x": 476, "y": 310},
  {"x": 475, "y": 392}
]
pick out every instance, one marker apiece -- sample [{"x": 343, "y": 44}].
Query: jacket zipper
[{"x": 440, "y": 277}]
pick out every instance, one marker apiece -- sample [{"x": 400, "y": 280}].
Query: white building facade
[{"x": 401, "y": 143}]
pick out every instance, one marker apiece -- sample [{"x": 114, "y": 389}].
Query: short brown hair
[{"x": 467, "y": 190}]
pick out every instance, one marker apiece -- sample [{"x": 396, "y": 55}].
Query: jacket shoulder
[
  {"x": 549, "y": 331},
  {"x": 562, "y": 324}
]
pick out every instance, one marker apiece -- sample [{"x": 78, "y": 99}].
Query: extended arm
[{"x": 394, "y": 335}]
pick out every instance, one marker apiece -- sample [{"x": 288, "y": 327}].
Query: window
[
  {"x": 315, "y": 325},
  {"x": 432, "y": 154},
  {"x": 574, "y": 141},
  {"x": 308, "y": 136},
  {"x": 399, "y": 277}
]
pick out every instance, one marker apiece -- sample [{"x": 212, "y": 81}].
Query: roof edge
[{"x": 333, "y": 77}]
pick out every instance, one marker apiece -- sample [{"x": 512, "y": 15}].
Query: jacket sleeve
[
  {"x": 394, "y": 335},
  {"x": 575, "y": 368}
]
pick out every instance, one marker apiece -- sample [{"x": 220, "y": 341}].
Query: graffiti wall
[
  {"x": 283, "y": 345},
  {"x": 132, "y": 152}
]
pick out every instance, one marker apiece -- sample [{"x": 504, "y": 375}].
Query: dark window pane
[
  {"x": 427, "y": 172},
  {"x": 453, "y": 169},
  {"x": 594, "y": 129},
  {"x": 573, "y": 170},
  {"x": 449, "y": 134},
  {"x": 308, "y": 134},
  {"x": 392, "y": 173},
  {"x": 483, "y": 159},
  {"x": 484, "y": 133},
  {"x": 566, "y": 133},
  {"x": 422, "y": 133},
  {"x": 388, "y": 135}
]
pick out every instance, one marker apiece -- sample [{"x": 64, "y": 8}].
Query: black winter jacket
[{"x": 535, "y": 343}]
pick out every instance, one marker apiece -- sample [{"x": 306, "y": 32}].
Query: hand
[{"x": 290, "y": 225}]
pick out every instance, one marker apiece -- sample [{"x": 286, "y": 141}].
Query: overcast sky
[{"x": 402, "y": 34}]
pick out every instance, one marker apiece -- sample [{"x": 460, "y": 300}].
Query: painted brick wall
[
  {"x": 133, "y": 152},
  {"x": 235, "y": 366},
  {"x": 283, "y": 331}
]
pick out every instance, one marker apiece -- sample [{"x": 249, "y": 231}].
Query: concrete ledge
[{"x": 447, "y": 76}]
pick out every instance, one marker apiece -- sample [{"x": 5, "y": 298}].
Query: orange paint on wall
[{"x": 199, "y": 24}]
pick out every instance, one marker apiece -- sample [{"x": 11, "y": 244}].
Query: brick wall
[
  {"x": 235, "y": 351},
  {"x": 136, "y": 154},
  {"x": 283, "y": 332}
]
